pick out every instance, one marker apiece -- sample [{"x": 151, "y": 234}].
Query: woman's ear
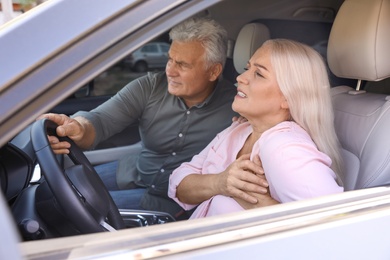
[
  {"x": 215, "y": 71},
  {"x": 284, "y": 104}
]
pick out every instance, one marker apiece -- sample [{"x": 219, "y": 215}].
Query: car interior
[
  {"x": 355, "y": 53},
  {"x": 356, "y": 50}
]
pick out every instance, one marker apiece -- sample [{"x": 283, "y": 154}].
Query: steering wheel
[{"x": 78, "y": 189}]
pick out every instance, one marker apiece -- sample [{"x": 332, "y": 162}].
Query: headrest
[
  {"x": 359, "y": 41},
  {"x": 250, "y": 38}
]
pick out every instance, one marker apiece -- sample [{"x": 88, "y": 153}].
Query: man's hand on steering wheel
[{"x": 67, "y": 126}]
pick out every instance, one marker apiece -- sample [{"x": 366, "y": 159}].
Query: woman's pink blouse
[{"x": 293, "y": 166}]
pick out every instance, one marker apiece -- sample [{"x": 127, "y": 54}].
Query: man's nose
[{"x": 171, "y": 69}]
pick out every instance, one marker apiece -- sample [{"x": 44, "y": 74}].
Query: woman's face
[{"x": 259, "y": 98}]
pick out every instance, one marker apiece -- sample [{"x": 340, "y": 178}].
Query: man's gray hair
[{"x": 211, "y": 34}]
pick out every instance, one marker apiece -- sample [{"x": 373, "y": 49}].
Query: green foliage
[{"x": 27, "y": 3}]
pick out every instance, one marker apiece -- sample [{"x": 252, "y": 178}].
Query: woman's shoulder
[{"x": 286, "y": 132}]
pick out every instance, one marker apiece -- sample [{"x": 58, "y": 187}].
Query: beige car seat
[
  {"x": 358, "y": 48},
  {"x": 249, "y": 39}
]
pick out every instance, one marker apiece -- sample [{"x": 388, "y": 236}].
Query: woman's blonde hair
[{"x": 303, "y": 79}]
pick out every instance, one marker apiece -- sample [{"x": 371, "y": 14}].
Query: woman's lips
[{"x": 241, "y": 94}]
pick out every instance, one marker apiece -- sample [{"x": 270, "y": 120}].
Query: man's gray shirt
[{"x": 171, "y": 133}]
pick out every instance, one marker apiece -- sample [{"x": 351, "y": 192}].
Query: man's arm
[{"x": 79, "y": 129}]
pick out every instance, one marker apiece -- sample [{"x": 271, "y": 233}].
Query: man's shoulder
[
  {"x": 154, "y": 78},
  {"x": 147, "y": 84}
]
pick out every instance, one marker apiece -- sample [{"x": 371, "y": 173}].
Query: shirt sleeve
[
  {"x": 296, "y": 170},
  {"x": 121, "y": 110}
]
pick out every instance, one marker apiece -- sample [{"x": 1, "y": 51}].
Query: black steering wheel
[{"x": 78, "y": 189}]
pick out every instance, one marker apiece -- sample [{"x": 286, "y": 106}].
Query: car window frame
[{"x": 54, "y": 84}]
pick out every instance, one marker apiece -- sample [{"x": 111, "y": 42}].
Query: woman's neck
[{"x": 248, "y": 145}]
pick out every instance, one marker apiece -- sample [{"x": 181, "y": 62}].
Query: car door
[{"x": 96, "y": 92}]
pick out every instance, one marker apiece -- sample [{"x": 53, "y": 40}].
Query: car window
[
  {"x": 117, "y": 76},
  {"x": 150, "y": 48},
  {"x": 164, "y": 48},
  {"x": 108, "y": 83},
  {"x": 113, "y": 80}
]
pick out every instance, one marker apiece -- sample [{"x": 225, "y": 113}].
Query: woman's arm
[
  {"x": 236, "y": 181},
  {"x": 263, "y": 200},
  {"x": 295, "y": 168}
]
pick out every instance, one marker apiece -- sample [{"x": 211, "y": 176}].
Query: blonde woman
[{"x": 289, "y": 138}]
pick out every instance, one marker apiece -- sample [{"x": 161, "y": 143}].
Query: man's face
[{"x": 187, "y": 74}]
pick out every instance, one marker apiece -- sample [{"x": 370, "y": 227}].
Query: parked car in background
[
  {"x": 72, "y": 62},
  {"x": 153, "y": 55}
]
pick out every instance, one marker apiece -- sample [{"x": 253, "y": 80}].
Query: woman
[{"x": 285, "y": 96}]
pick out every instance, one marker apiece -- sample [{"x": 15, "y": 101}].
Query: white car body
[{"x": 66, "y": 43}]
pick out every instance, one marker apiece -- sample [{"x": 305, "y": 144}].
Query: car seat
[
  {"x": 249, "y": 39},
  {"x": 358, "y": 49}
]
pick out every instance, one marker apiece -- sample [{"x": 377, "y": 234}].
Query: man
[{"x": 179, "y": 112}]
